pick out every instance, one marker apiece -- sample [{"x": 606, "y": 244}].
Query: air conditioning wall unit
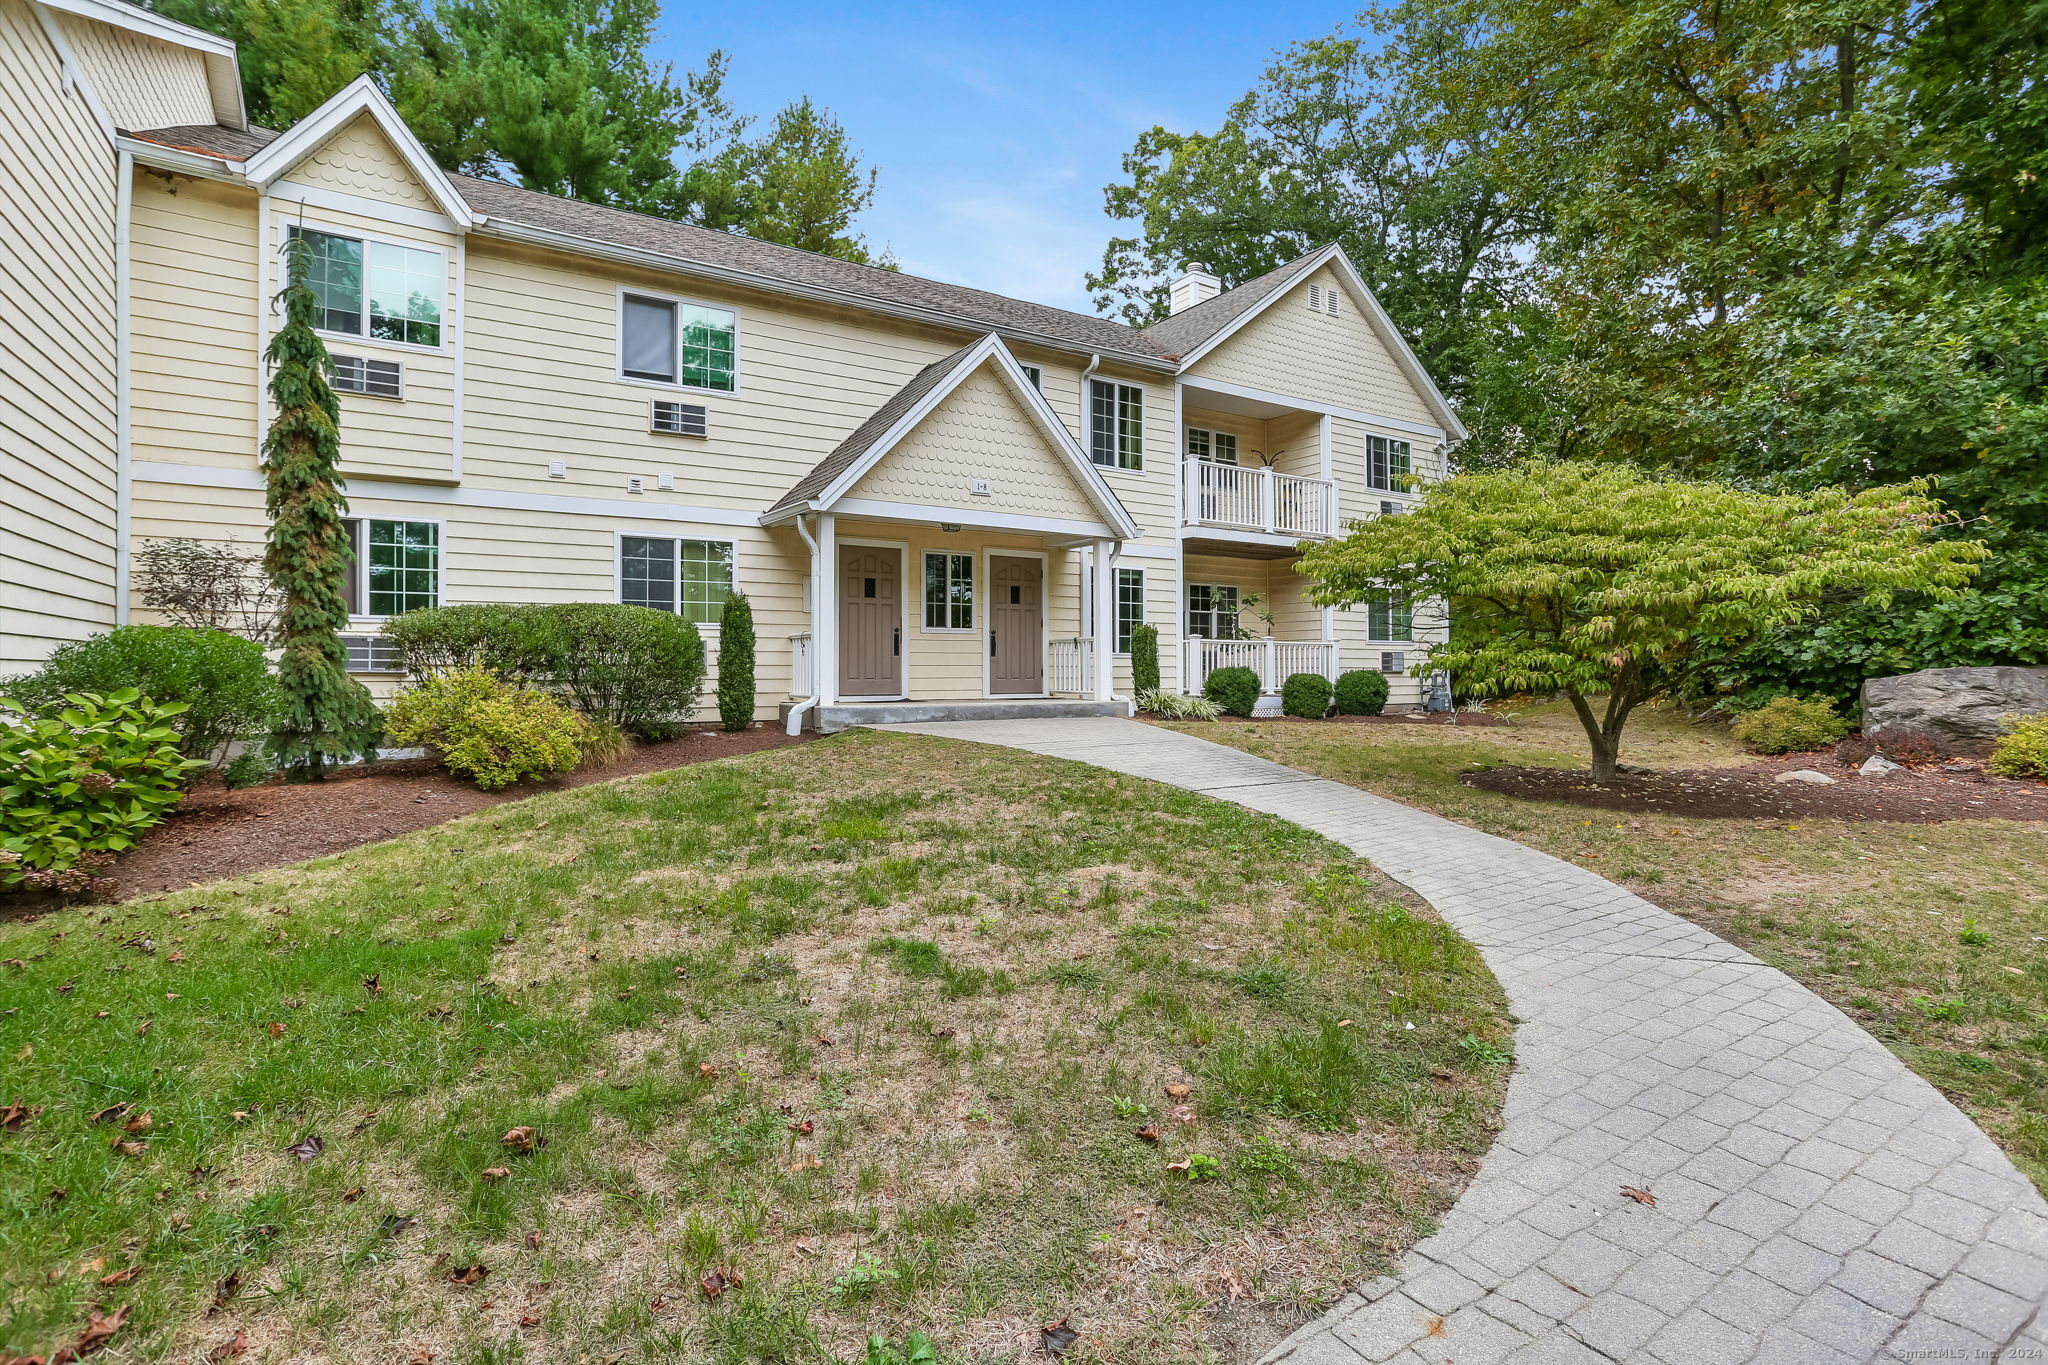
[
  {"x": 680, "y": 419},
  {"x": 373, "y": 378}
]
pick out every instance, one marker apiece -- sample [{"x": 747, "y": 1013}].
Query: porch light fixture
[{"x": 949, "y": 526}]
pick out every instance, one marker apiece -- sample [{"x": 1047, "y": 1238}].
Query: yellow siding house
[{"x": 940, "y": 500}]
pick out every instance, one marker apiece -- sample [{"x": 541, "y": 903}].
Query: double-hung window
[
  {"x": 1116, "y": 424},
  {"x": 1130, "y": 606},
  {"x": 1389, "y": 616},
  {"x": 1216, "y": 447},
  {"x": 397, "y": 568},
  {"x": 380, "y": 290},
  {"x": 691, "y": 578},
  {"x": 670, "y": 341},
  {"x": 1212, "y": 611},
  {"x": 1389, "y": 465},
  {"x": 948, "y": 591}
]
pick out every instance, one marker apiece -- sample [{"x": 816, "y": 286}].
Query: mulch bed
[
  {"x": 1959, "y": 791},
  {"x": 1460, "y": 719},
  {"x": 215, "y": 833}
]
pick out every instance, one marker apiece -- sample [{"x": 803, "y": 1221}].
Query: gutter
[{"x": 794, "y": 724}]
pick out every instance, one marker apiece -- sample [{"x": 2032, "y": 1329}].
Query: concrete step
[{"x": 840, "y": 715}]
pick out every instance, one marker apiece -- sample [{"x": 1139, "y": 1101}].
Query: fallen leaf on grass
[
  {"x": 276, "y": 1029},
  {"x": 121, "y": 1276},
  {"x": 496, "y": 1172},
  {"x": 233, "y": 1346},
  {"x": 1640, "y": 1196},
  {"x": 111, "y": 1112},
  {"x": 1149, "y": 1133},
  {"x": 1056, "y": 1337},
  {"x": 128, "y": 1148},
  {"x": 99, "y": 1330},
  {"x": 523, "y": 1139},
  {"x": 1183, "y": 1165},
  {"x": 469, "y": 1274},
  {"x": 707, "y": 1069},
  {"x": 529, "y": 1322},
  {"x": 141, "y": 1123},
  {"x": 1183, "y": 1113},
  {"x": 307, "y": 1147},
  {"x": 16, "y": 1114},
  {"x": 350, "y": 1196},
  {"x": 373, "y": 983},
  {"x": 422, "y": 1357},
  {"x": 1177, "y": 1091},
  {"x": 224, "y": 1289},
  {"x": 805, "y": 1163},
  {"x": 716, "y": 1281}
]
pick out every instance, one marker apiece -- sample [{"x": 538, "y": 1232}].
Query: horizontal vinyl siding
[
  {"x": 142, "y": 82},
  {"x": 1340, "y": 361},
  {"x": 57, "y": 365}
]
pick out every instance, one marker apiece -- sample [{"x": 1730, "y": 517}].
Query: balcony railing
[
  {"x": 1070, "y": 668},
  {"x": 1247, "y": 498},
  {"x": 1275, "y": 661}
]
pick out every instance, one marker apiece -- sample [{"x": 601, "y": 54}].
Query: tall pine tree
[{"x": 328, "y": 716}]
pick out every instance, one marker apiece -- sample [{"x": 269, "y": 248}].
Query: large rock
[{"x": 1964, "y": 704}]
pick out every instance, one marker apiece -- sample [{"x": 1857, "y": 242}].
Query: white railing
[
  {"x": 803, "y": 680},
  {"x": 1070, "y": 669},
  {"x": 1273, "y": 660},
  {"x": 1252, "y": 499},
  {"x": 1304, "y": 507}
]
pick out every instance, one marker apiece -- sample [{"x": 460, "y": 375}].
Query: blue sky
[{"x": 996, "y": 128}]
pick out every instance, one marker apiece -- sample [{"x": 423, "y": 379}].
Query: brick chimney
[{"x": 1196, "y": 286}]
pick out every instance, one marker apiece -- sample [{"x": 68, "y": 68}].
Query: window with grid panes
[
  {"x": 1130, "y": 606},
  {"x": 948, "y": 591},
  {"x": 1116, "y": 424},
  {"x": 691, "y": 578}
]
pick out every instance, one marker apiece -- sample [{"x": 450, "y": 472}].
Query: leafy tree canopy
[
  {"x": 1600, "y": 581},
  {"x": 559, "y": 96}
]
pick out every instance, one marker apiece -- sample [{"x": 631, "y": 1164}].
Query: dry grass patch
[{"x": 861, "y": 1035}]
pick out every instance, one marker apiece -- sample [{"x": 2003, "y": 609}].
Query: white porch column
[
  {"x": 825, "y": 611},
  {"x": 1105, "y": 620}
]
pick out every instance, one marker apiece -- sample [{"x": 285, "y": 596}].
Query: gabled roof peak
[{"x": 359, "y": 98}]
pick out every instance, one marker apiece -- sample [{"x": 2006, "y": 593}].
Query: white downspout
[
  {"x": 124, "y": 205},
  {"x": 795, "y": 723},
  {"x": 1094, "y": 364}
]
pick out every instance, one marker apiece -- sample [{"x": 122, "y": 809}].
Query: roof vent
[{"x": 1196, "y": 286}]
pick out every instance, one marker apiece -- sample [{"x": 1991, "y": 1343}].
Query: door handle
[
  {"x": 991, "y": 644},
  {"x": 896, "y": 642}
]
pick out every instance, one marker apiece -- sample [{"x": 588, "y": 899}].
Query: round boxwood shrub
[
  {"x": 1144, "y": 658},
  {"x": 1361, "y": 692},
  {"x": 1236, "y": 690},
  {"x": 1306, "y": 695},
  {"x": 222, "y": 681},
  {"x": 483, "y": 728},
  {"x": 1788, "y": 725}
]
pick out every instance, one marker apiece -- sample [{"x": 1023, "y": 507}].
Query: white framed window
[
  {"x": 1389, "y": 616},
  {"x": 385, "y": 291},
  {"x": 1033, "y": 373},
  {"x": 1389, "y": 464},
  {"x": 1212, "y": 611},
  {"x": 1130, "y": 606},
  {"x": 1116, "y": 424},
  {"x": 665, "y": 340},
  {"x": 948, "y": 590},
  {"x": 397, "y": 567},
  {"x": 691, "y": 578},
  {"x": 1214, "y": 447}
]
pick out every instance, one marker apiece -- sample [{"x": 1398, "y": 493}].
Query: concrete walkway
[{"x": 1816, "y": 1201}]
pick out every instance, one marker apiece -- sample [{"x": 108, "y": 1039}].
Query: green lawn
[
  {"x": 1930, "y": 936},
  {"x": 866, "y": 1028}
]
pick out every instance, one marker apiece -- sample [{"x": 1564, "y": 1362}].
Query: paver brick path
[{"x": 1816, "y": 1201}]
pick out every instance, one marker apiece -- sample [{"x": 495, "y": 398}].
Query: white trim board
[
  {"x": 288, "y": 191},
  {"x": 1199, "y": 382},
  {"x": 871, "y": 509},
  {"x": 210, "y": 476}
]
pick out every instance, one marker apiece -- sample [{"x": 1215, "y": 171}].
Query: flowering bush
[
  {"x": 487, "y": 730},
  {"x": 80, "y": 784}
]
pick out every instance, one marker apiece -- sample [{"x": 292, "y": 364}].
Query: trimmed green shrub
[
  {"x": 1306, "y": 695},
  {"x": 81, "y": 784},
  {"x": 1361, "y": 692},
  {"x": 2022, "y": 751},
  {"x": 1788, "y": 725},
  {"x": 1177, "y": 705},
  {"x": 222, "y": 681},
  {"x": 1236, "y": 690},
  {"x": 486, "y": 729},
  {"x": 1144, "y": 658},
  {"x": 633, "y": 667},
  {"x": 736, "y": 663}
]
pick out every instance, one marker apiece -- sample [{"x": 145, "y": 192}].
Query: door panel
[
  {"x": 1016, "y": 623},
  {"x": 870, "y": 622}
]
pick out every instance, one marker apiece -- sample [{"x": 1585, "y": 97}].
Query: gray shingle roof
[
  {"x": 768, "y": 261},
  {"x": 848, "y": 452},
  {"x": 1184, "y": 331}
]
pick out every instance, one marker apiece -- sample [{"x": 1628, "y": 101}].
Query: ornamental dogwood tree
[{"x": 1597, "y": 580}]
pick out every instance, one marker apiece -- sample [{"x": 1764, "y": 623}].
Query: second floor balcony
[{"x": 1250, "y": 498}]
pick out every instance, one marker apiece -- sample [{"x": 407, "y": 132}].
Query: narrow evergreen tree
[
  {"x": 1144, "y": 657},
  {"x": 736, "y": 663},
  {"x": 328, "y": 716}
]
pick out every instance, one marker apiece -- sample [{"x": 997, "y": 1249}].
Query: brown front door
[
  {"x": 1016, "y": 625},
  {"x": 870, "y": 622}
]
